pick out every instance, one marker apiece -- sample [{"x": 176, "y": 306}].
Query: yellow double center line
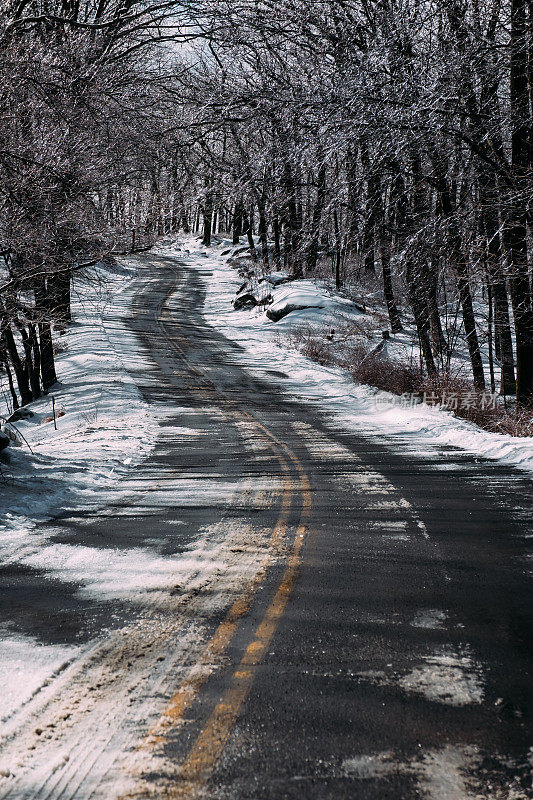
[
  {"x": 219, "y": 642},
  {"x": 203, "y": 756},
  {"x": 198, "y": 766}
]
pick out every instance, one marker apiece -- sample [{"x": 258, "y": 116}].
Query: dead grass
[
  {"x": 481, "y": 408},
  {"x": 350, "y": 347},
  {"x": 387, "y": 375},
  {"x": 515, "y": 423}
]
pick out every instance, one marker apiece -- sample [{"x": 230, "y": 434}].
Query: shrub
[
  {"x": 387, "y": 374},
  {"x": 349, "y": 346},
  {"x": 515, "y": 423}
]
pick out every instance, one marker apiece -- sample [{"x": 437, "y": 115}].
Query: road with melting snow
[{"x": 352, "y": 621}]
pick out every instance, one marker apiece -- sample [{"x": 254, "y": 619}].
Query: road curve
[{"x": 380, "y": 645}]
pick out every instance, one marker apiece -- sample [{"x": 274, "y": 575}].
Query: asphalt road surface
[{"x": 369, "y": 637}]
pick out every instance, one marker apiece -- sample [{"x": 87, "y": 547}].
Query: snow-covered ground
[
  {"x": 349, "y": 406},
  {"x": 104, "y": 427},
  {"x": 26, "y": 666}
]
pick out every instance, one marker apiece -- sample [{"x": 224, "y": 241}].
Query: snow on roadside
[
  {"x": 353, "y": 407},
  {"x": 26, "y": 666},
  {"x": 104, "y": 427}
]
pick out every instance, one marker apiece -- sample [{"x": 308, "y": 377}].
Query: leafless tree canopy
[{"x": 389, "y": 141}]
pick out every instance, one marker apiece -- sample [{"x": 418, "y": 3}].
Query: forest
[{"x": 379, "y": 143}]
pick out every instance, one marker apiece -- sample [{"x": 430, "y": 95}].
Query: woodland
[{"x": 384, "y": 143}]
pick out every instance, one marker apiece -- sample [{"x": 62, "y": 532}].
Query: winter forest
[
  {"x": 383, "y": 145},
  {"x": 266, "y": 399}
]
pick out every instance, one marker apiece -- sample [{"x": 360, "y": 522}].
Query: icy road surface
[{"x": 270, "y": 607}]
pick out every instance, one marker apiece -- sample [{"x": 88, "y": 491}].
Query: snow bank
[
  {"x": 104, "y": 427},
  {"x": 349, "y": 406}
]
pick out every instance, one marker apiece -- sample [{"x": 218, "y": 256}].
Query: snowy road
[{"x": 314, "y": 614}]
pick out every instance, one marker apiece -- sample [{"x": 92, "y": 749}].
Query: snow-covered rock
[
  {"x": 276, "y": 278},
  {"x": 294, "y": 298},
  {"x": 244, "y": 300},
  {"x": 21, "y": 413},
  {"x": 299, "y": 295}
]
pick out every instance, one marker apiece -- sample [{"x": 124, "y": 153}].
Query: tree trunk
[
  {"x": 263, "y": 230},
  {"x": 353, "y": 200},
  {"x": 502, "y": 328},
  {"x": 338, "y": 246},
  {"x": 292, "y": 238},
  {"x": 312, "y": 252},
  {"x": 237, "y": 221},
  {"x": 502, "y": 325},
  {"x": 437, "y": 336},
  {"x": 19, "y": 368},
  {"x": 208, "y": 218},
  {"x": 447, "y": 209},
  {"x": 490, "y": 323},
  {"x": 12, "y": 391},
  {"x": 46, "y": 349},
  {"x": 59, "y": 292},
  {"x": 417, "y": 299},
  {"x": 369, "y": 228},
  {"x": 34, "y": 377},
  {"x": 48, "y": 370},
  {"x": 388, "y": 291},
  {"x": 465, "y": 295},
  {"x": 384, "y": 251},
  {"x": 184, "y": 220},
  {"x": 277, "y": 244},
  {"x": 4, "y": 362},
  {"x": 522, "y": 310},
  {"x": 516, "y": 229},
  {"x": 416, "y": 284},
  {"x": 248, "y": 229}
]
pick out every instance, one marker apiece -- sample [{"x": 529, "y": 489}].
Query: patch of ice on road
[
  {"x": 431, "y": 618},
  {"x": 375, "y": 765},
  {"x": 123, "y": 574},
  {"x": 448, "y": 773},
  {"x": 391, "y": 526},
  {"x": 130, "y": 574},
  {"x": 110, "y": 574},
  {"x": 187, "y": 431},
  {"x": 446, "y": 677},
  {"x": 25, "y": 666},
  {"x": 396, "y": 537},
  {"x": 443, "y": 773}
]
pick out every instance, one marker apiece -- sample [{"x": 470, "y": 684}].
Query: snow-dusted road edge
[
  {"x": 105, "y": 430},
  {"x": 350, "y": 407}
]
